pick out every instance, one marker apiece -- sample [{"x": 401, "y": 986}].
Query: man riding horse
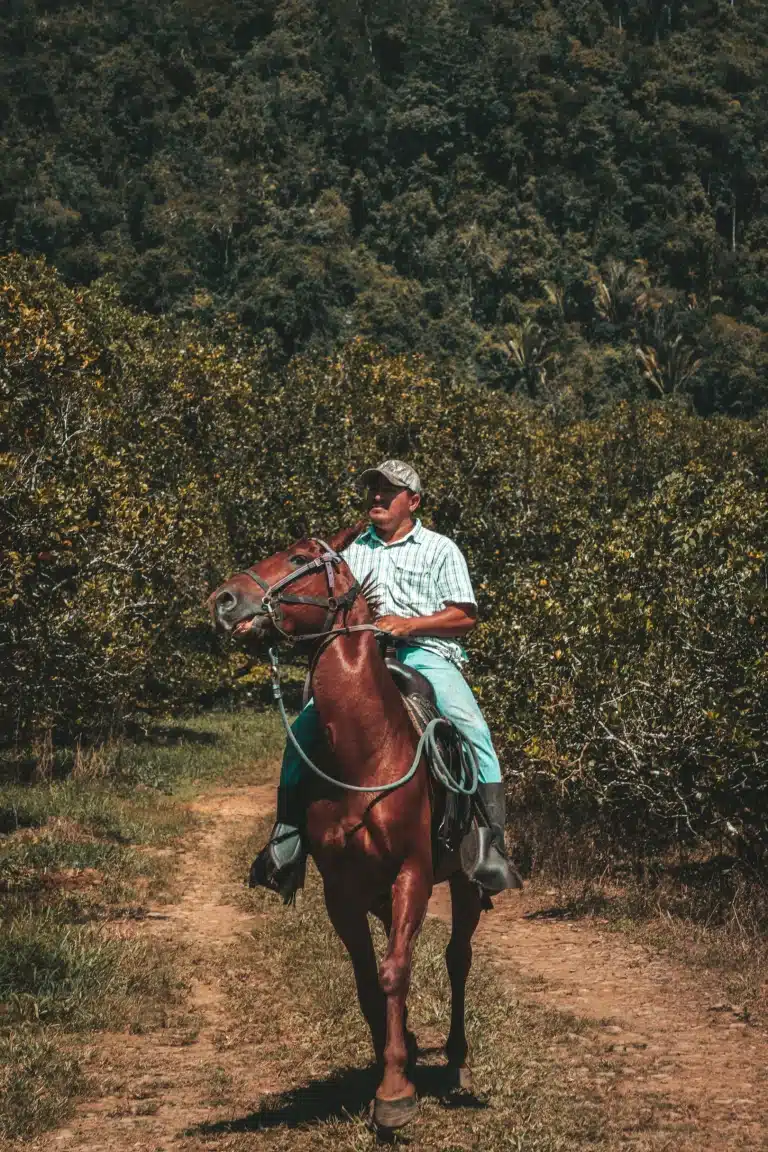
[{"x": 426, "y": 603}]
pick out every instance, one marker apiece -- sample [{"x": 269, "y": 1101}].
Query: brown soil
[
  {"x": 157, "y": 1086},
  {"x": 655, "y": 1038},
  {"x": 680, "y": 1049}
]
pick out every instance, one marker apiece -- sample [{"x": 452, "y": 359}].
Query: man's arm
[{"x": 451, "y": 622}]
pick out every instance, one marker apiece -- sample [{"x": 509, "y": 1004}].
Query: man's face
[{"x": 389, "y": 506}]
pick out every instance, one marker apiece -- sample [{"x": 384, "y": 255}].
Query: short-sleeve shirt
[{"x": 418, "y": 575}]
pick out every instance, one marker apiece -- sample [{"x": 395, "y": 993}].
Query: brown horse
[{"x": 373, "y": 850}]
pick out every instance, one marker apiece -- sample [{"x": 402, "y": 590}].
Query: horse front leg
[
  {"x": 465, "y": 916},
  {"x": 395, "y": 1102},
  {"x": 350, "y": 921}
]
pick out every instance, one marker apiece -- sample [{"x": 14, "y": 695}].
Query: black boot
[
  {"x": 484, "y": 855},
  {"x": 281, "y": 864}
]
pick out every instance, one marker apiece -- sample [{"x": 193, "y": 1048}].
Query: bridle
[
  {"x": 275, "y": 597},
  {"x": 271, "y": 604}
]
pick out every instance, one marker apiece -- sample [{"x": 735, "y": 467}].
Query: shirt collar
[{"x": 415, "y": 534}]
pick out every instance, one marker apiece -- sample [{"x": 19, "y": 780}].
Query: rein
[
  {"x": 272, "y": 600},
  {"x": 466, "y": 785}
]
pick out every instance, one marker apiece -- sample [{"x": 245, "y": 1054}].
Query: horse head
[{"x": 296, "y": 592}]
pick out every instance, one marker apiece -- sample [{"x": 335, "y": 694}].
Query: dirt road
[
  {"x": 673, "y": 1052},
  {"x": 682, "y": 1051}
]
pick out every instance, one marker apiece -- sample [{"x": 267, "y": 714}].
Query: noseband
[{"x": 274, "y": 597}]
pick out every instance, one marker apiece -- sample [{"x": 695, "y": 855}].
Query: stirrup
[{"x": 284, "y": 878}]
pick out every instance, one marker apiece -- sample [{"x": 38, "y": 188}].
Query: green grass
[
  {"x": 76, "y": 854},
  {"x": 293, "y": 994},
  {"x": 77, "y": 975},
  {"x": 38, "y": 1081},
  {"x": 218, "y": 746}
]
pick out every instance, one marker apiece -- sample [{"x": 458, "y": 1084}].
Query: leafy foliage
[
  {"x": 620, "y": 562},
  {"x": 624, "y": 656},
  {"x": 424, "y": 174}
]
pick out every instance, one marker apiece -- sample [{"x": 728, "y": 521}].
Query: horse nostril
[{"x": 225, "y": 601}]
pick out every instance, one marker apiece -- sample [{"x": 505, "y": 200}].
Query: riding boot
[
  {"x": 490, "y": 867},
  {"x": 281, "y": 864}
]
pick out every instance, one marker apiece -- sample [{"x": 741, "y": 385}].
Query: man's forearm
[{"x": 449, "y": 624}]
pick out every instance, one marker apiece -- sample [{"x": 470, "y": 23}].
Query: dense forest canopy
[{"x": 566, "y": 199}]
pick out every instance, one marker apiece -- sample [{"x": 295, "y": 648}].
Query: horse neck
[{"x": 354, "y": 693}]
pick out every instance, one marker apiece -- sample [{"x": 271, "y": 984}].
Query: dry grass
[
  {"x": 538, "y": 1088},
  {"x": 80, "y": 858},
  {"x": 725, "y": 939},
  {"x": 708, "y": 910}
]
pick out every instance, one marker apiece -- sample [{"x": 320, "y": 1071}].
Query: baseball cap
[{"x": 397, "y": 472}]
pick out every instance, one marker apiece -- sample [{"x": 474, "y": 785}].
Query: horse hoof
[
  {"x": 392, "y": 1114},
  {"x": 460, "y": 1077}
]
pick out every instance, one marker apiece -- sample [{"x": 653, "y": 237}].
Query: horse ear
[{"x": 344, "y": 537}]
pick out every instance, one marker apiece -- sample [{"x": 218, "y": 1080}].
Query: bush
[{"x": 620, "y": 564}]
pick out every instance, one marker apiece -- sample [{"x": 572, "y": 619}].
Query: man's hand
[{"x": 397, "y": 625}]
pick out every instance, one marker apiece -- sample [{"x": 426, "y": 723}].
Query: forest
[
  {"x": 563, "y": 200},
  {"x": 620, "y": 562}
]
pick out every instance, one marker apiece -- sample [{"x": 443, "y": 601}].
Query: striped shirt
[{"x": 418, "y": 575}]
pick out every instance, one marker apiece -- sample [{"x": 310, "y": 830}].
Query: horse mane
[{"x": 371, "y": 595}]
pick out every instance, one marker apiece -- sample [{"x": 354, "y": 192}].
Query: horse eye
[{"x": 297, "y": 560}]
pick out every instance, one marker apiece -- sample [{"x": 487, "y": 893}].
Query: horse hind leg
[
  {"x": 395, "y": 1104},
  {"x": 466, "y": 906}
]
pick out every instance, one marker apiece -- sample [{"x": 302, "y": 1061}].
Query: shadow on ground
[{"x": 344, "y": 1094}]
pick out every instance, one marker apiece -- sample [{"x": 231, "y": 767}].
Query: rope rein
[
  {"x": 274, "y": 596},
  {"x": 464, "y": 785}
]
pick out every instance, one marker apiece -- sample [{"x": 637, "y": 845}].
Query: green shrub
[{"x": 620, "y": 564}]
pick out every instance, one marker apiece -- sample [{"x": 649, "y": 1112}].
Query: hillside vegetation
[
  {"x": 564, "y": 199},
  {"x": 620, "y": 563}
]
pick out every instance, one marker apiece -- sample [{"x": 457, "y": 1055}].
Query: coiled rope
[{"x": 464, "y": 785}]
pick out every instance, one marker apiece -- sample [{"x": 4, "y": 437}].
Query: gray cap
[{"x": 397, "y": 472}]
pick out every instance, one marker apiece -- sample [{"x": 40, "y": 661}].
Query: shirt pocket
[{"x": 412, "y": 584}]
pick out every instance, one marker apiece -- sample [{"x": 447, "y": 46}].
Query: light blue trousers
[{"x": 454, "y": 699}]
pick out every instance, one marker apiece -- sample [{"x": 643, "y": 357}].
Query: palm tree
[
  {"x": 669, "y": 366},
  {"x": 621, "y": 290},
  {"x": 530, "y": 350}
]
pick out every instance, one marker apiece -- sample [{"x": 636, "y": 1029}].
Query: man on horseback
[{"x": 426, "y": 602}]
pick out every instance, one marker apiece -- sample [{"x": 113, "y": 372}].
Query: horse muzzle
[{"x": 230, "y": 609}]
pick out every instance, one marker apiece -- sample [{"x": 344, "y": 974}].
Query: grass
[
  {"x": 722, "y": 933},
  {"x": 77, "y": 975},
  {"x": 538, "y": 1088},
  {"x": 38, "y": 1081},
  {"x": 78, "y": 855}
]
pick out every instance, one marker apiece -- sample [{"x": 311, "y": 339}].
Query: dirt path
[
  {"x": 679, "y": 1051},
  {"x": 159, "y": 1085},
  {"x": 654, "y": 1037}
]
